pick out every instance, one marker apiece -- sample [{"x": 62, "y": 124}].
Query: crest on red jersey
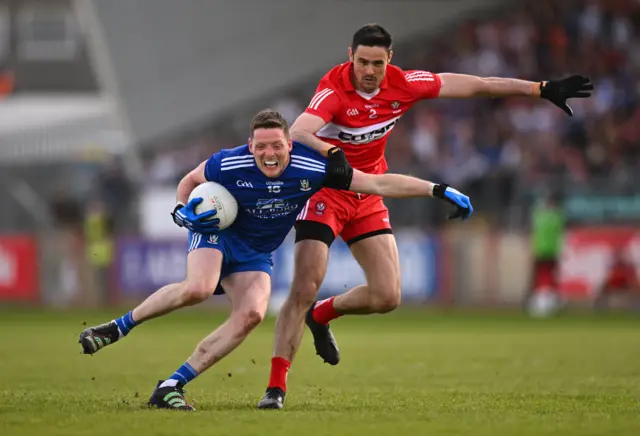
[{"x": 395, "y": 105}]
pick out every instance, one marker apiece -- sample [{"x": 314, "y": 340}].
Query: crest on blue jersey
[{"x": 305, "y": 185}]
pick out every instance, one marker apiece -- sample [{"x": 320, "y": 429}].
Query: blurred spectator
[
  {"x": 118, "y": 194},
  {"x": 68, "y": 215},
  {"x": 98, "y": 238},
  {"x": 547, "y": 236},
  {"x": 621, "y": 279}
]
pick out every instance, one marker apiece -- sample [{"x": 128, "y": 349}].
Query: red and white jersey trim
[
  {"x": 420, "y": 76},
  {"x": 319, "y": 98}
]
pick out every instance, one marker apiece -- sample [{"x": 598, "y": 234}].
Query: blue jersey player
[{"x": 271, "y": 178}]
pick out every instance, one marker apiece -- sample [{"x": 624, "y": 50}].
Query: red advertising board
[
  {"x": 589, "y": 254},
  {"x": 18, "y": 268}
]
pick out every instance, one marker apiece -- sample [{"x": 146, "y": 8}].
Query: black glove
[{"x": 558, "y": 91}]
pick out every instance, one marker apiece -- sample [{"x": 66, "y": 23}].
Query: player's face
[
  {"x": 369, "y": 66},
  {"x": 271, "y": 149}
]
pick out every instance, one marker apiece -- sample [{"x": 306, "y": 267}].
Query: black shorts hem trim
[
  {"x": 369, "y": 235},
  {"x": 315, "y": 231}
]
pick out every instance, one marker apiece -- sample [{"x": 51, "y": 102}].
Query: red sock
[
  {"x": 279, "y": 369},
  {"x": 324, "y": 312}
]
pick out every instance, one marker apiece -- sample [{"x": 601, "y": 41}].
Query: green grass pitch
[{"x": 412, "y": 372}]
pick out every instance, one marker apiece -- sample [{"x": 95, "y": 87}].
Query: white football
[{"x": 216, "y": 197}]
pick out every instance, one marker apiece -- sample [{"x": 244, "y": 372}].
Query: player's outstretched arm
[
  {"x": 304, "y": 130},
  {"x": 401, "y": 186},
  {"x": 340, "y": 175},
  {"x": 390, "y": 185},
  {"x": 556, "y": 91}
]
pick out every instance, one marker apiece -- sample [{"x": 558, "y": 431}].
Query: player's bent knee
[
  {"x": 195, "y": 292},
  {"x": 305, "y": 289},
  {"x": 388, "y": 303},
  {"x": 386, "y": 299},
  {"x": 249, "y": 319}
]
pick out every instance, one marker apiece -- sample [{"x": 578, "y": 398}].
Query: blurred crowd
[
  {"x": 467, "y": 142},
  {"x": 543, "y": 40}
]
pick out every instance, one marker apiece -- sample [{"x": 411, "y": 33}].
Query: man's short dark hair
[
  {"x": 269, "y": 119},
  {"x": 371, "y": 35}
]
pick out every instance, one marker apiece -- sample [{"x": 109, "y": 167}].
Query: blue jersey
[{"x": 267, "y": 207}]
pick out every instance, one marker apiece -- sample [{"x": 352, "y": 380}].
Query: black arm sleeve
[{"x": 339, "y": 172}]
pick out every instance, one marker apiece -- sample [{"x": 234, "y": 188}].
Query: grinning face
[
  {"x": 369, "y": 66},
  {"x": 271, "y": 148}
]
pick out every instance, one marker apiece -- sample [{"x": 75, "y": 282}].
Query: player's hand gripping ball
[{"x": 211, "y": 208}]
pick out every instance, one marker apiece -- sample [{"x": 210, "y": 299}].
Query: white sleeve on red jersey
[
  {"x": 423, "y": 83},
  {"x": 325, "y": 103}
]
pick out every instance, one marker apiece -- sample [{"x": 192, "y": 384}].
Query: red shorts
[
  {"x": 545, "y": 274},
  {"x": 349, "y": 215}
]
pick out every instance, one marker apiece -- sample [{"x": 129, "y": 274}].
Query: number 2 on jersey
[{"x": 372, "y": 113}]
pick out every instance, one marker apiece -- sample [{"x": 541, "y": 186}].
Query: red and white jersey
[{"x": 360, "y": 123}]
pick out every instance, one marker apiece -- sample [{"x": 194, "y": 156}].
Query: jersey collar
[{"x": 346, "y": 79}]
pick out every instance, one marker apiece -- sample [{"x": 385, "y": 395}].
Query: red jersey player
[{"x": 355, "y": 107}]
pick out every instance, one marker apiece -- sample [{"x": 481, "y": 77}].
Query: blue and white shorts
[{"x": 237, "y": 256}]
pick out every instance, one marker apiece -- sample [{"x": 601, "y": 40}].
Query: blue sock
[
  {"x": 183, "y": 375},
  {"x": 126, "y": 323}
]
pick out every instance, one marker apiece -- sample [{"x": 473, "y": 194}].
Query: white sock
[{"x": 171, "y": 382}]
